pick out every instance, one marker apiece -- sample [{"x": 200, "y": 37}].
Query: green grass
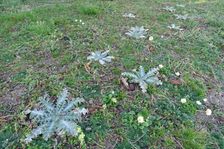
[{"x": 43, "y": 49}]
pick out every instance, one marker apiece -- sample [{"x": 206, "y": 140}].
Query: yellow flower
[
  {"x": 104, "y": 106},
  {"x": 141, "y": 119},
  {"x": 114, "y": 100},
  {"x": 79, "y": 130},
  {"x": 81, "y": 138}
]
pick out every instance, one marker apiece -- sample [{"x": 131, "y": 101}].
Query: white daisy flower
[
  {"x": 198, "y": 103},
  {"x": 150, "y": 38},
  {"x": 208, "y": 112},
  {"x": 183, "y": 100},
  {"x": 205, "y": 99},
  {"x": 140, "y": 119},
  {"x": 177, "y": 74},
  {"x": 161, "y": 66}
]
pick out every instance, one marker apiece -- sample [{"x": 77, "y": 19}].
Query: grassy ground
[{"x": 43, "y": 49}]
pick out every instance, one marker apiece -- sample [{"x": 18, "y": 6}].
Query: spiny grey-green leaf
[
  {"x": 102, "y": 57},
  {"x": 56, "y": 118},
  {"x": 137, "y": 32},
  {"x": 142, "y": 78}
]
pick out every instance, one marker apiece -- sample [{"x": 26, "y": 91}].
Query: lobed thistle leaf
[
  {"x": 180, "y": 5},
  {"x": 142, "y": 78},
  {"x": 137, "y": 32},
  {"x": 59, "y": 118},
  {"x": 102, "y": 57},
  {"x": 129, "y": 15},
  {"x": 174, "y": 27},
  {"x": 181, "y": 17},
  {"x": 170, "y": 9}
]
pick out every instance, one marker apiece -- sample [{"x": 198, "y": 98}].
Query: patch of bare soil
[
  {"x": 10, "y": 101},
  {"x": 216, "y": 104},
  {"x": 48, "y": 64},
  {"x": 216, "y": 99}
]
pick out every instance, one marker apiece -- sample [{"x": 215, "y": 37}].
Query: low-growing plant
[
  {"x": 59, "y": 118},
  {"x": 102, "y": 57},
  {"x": 170, "y": 9},
  {"x": 143, "y": 78},
  {"x": 112, "y": 98},
  {"x": 174, "y": 27},
  {"x": 190, "y": 138},
  {"x": 129, "y": 15},
  {"x": 181, "y": 17},
  {"x": 137, "y": 32},
  {"x": 89, "y": 10}
]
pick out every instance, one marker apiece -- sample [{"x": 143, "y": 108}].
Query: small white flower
[
  {"x": 198, "y": 103},
  {"x": 104, "y": 106},
  {"x": 205, "y": 99},
  {"x": 114, "y": 100},
  {"x": 183, "y": 100},
  {"x": 208, "y": 112},
  {"x": 177, "y": 74},
  {"x": 140, "y": 119},
  {"x": 161, "y": 66},
  {"x": 150, "y": 38},
  {"x": 83, "y": 23},
  {"x": 80, "y": 21},
  {"x": 76, "y": 20}
]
